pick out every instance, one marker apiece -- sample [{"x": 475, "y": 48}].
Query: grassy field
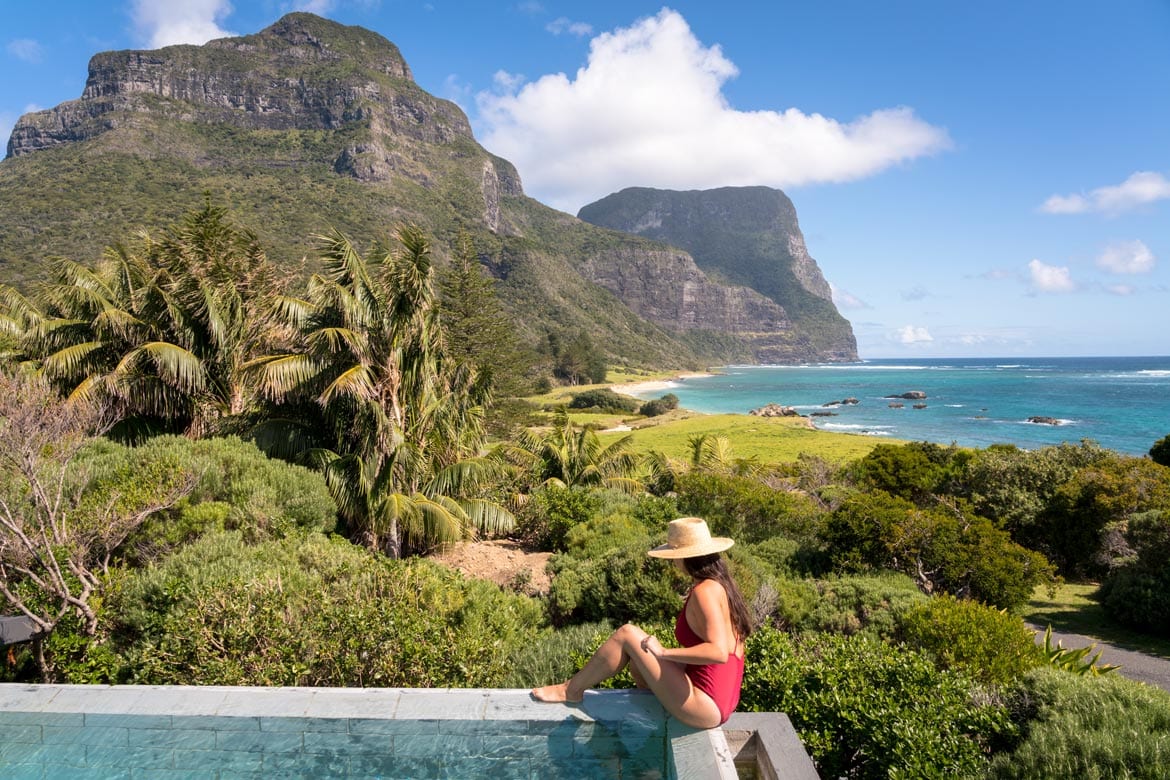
[{"x": 1073, "y": 609}]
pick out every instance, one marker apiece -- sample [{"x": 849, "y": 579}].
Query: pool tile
[
  {"x": 173, "y": 774},
  {"x": 259, "y": 741},
  {"x": 515, "y": 747},
  {"x": 24, "y": 771},
  {"x": 492, "y": 727},
  {"x": 393, "y": 727},
  {"x": 243, "y": 761},
  {"x": 460, "y": 769},
  {"x": 308, "y": 764},
  {"x": 330, "y": 743},
  {"x": 390, "y": 767},
  {"x": 111, "y": 720},
  {"x": 27, "y": 733},
  {"x": 447, "y": 746},
  {"x": 303, "y": 724},
  {"x": 188, "y": 739},
  {"x": 96, "y": 735},
  {"x": 128, "y": 757},
  {"x": 41, "y": 718},
  {"x": 221, "y": 722}
]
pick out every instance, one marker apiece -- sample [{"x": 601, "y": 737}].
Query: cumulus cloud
[
  {"x": 1050, "y": 278},
  {"x": 1126, "y": 257},
  {"x": 845, "y": 299},
  {"x": 648, "y": 109},
  {"x": 1139, "y": 189},
  {"x": 168, "y": 22},
  {"x": 563, "y": 25},
  {"x": 913, "y": 334},
  {"x": 25, "y": 49}
]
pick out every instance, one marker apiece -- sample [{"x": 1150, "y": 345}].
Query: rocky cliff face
[
  {"x": 299, "y": 74},
  {"x": 749, "y": 236}
]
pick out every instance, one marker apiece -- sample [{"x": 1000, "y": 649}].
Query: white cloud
[
  {"x": 565, "y": 25},
  {"x": 1127, "y": 257},
  {"x": 648, "y": 109},
  {"x": 1050, "y": 278},
  {"x": 911, "y": 334},
  {"x": 319, "y": 7},
  {"x": 25, "y": 49},
  {"x": 168, "y": 22},
  {"x": 845, "y": 299},
  {"x": 1139, "y": 189},
  {"x": 1121, "y": 289},
  {"x": 507, "y": 82}
]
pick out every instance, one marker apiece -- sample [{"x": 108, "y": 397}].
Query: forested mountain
[{"x": 310, "y": 125}]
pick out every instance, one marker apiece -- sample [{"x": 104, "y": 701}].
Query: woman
[{"x": 699, "y": 682}]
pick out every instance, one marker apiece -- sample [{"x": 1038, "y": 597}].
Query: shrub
[
  {"x": 313, "y": 611},
  {"x": 864, "y": 709},
  {"x": 622, "y": 585},
  {"x": 605, "y": 400},
  {"x": 546, "y": 519},
  {"x": 659, "y": 406},
  {"x": 746, "y": 509},
  {"x": 912, "y": 471},
  {"x": 1134, "y": 592},
  {"x": 552, "y": 657},
  {"x": 987, "y": 644},
  {"x": 1087, "y": 727},
  {"x": 1160, "y": 452},
  {"x": 865, "y": 604}
]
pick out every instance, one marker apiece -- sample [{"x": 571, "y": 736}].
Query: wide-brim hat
[{"x": 689, "y": 537}]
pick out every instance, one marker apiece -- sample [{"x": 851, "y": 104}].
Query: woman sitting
[{"x": 697, "y": 683}]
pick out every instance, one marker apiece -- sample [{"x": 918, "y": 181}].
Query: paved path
[{"x": 1142, "y": 667}]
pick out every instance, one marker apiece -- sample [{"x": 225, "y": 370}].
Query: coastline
[{"x": 636, "y": 389}]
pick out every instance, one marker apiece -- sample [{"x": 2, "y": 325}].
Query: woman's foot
[{"x": 555, "y": 694}]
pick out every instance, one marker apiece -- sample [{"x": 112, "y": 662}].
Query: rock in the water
[
  {"x": 912, "y": 395},
  {"x": 774, "y": 410}
]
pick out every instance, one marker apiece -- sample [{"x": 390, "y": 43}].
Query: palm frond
[
  {"x": 279, "y": 375},
  {"x": 176, "y": 366},
  {"x": 356, "y": 382}
]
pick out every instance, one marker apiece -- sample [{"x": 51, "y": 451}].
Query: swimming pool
[{"x": 181, "y": 733}]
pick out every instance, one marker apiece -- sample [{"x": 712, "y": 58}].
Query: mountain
[
  {"x": 310, "y": 125},
  {"x": 746, "y": 236}
]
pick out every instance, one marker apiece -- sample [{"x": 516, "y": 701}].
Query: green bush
[
  {"x": 1134, "y": 592},
  {"x": 746, "y": 509},
  {"x": 1160, "y": 451},
  {"x": 659, "y": 406},
  {"x": 864, "y": 709},
  {"x": 546, "y": 519},
  {"x": 621, "y": 585},
  {"x": 987, "y": 644},
  {"x": 1087, "y": 727},
  {"x": 859, "y": 604},
  {"x": 313, "y": 611},
  {"x": 552, "y": 657},
  {"x": 605, "y": 400}
]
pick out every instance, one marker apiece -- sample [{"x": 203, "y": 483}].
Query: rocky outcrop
[
  {"x": 748, "y": 237},
  {"x": 912, "y": 395},
  {"x": 774, "y": 410}
]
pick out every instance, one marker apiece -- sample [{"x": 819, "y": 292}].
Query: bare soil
[{"x": 501, "y": 561}]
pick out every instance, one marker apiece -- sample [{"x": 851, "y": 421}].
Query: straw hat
[{"x": 689, "y": 537}]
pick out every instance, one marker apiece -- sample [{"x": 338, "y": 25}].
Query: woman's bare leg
[{"x": 667, "y": 680}]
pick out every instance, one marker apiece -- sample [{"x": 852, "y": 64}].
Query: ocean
[{"x": 1122, "y": 403}]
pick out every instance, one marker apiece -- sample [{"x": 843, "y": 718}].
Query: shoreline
[{"x": 635, "y": 389}]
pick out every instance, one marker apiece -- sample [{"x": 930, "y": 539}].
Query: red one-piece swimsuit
[{"x": 719, "y": 681}]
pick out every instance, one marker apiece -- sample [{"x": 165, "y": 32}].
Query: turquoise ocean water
[{"x": 1121, "y": 403}]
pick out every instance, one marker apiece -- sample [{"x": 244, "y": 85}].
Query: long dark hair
[{"x": 713, "y": 567}]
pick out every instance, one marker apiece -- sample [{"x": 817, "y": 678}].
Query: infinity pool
[{"x": 176, "y": 733}]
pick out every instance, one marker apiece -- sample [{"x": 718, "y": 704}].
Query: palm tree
[
  {"x": 567, "y": 456},
  {"x": 401, "y": 451},
  {"x": 161, "y": 331}
]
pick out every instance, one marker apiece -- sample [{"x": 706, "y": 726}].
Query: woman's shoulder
[{"x": 708, "y": 589}]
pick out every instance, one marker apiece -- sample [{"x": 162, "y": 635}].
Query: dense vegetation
[{"x": 329, "y": 436}]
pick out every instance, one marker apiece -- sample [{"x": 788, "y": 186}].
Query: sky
[{"x": 987, "y": 178}]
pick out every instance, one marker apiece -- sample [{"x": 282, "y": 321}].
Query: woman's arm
[{"x": 710, "y": 617}]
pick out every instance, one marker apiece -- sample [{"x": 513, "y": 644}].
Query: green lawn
[{"x": 1073, "y": 609}]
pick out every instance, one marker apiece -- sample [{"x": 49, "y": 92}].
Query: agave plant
[{"x": 1076, "y": 660}]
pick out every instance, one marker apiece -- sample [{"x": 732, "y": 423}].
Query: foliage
[
  {"x": 944, "y": 548},
  {"x": 317, "y": 612},
  {"x": 987, "y": 644},
  {"x": 864, "y": 709},
  {"x": 603, "y": 399},
  {"x": 659, "y": 406},
  {"x": 1134, "y": 592},
  {"x": 867, "y": 604},
  {"x": 59, "y": 528},
  {"x": 551, "y": 511},
  {"x": 1087, "y": 727},
  {"x": 237, "y": 487},
  {"x": 160, "y": 331},
  {"x": 622, "y": 584},
  {"x": 404, "y": 421},
  {"x": 1160, "y": 451},
  {"x": 914, "y": 471},
  {"x": 1109, "y": 491},
  {"x": 1077, "y": 661},
  {"x": 567, "y": 456},
  {"x": 746, "y": 509},
  {"x": 552, "y": 657},
  {"x": 576, "y": 361}
]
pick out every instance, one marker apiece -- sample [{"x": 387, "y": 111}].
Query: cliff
[
  {"x": 749, "y": 237},
  {"x": 310, "y": 125}
]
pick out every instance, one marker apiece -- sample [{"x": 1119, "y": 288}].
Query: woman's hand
[{"x": 652, "y": 646}]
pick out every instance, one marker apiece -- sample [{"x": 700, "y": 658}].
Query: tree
[
  {"x": 58, "y": 530},
  {"x": 403, "y": 433},
  {"x": 478, "y": 331},
  {"x": 1160, "y": 452},
  {"x": 158, "y": 331}
]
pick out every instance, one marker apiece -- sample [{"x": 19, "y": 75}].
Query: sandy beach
[{"x": 638, "y": 389}]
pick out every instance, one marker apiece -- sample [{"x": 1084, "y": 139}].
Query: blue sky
[{"x": 986, "y": 178}]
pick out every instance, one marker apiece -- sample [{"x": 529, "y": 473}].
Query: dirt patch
[{"x": 501, "y": 561}]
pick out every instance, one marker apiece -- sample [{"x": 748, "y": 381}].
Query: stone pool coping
[{"x": 693, "y": 752}]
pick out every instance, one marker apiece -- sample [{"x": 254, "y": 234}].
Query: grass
[
  {"x": 770, "y": 439},
  {"x": 1072, "y": 608}
]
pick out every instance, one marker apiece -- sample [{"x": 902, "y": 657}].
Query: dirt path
[
  {"x": 1134, "y": 665},
  {"x": 500, "y": 560}
]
